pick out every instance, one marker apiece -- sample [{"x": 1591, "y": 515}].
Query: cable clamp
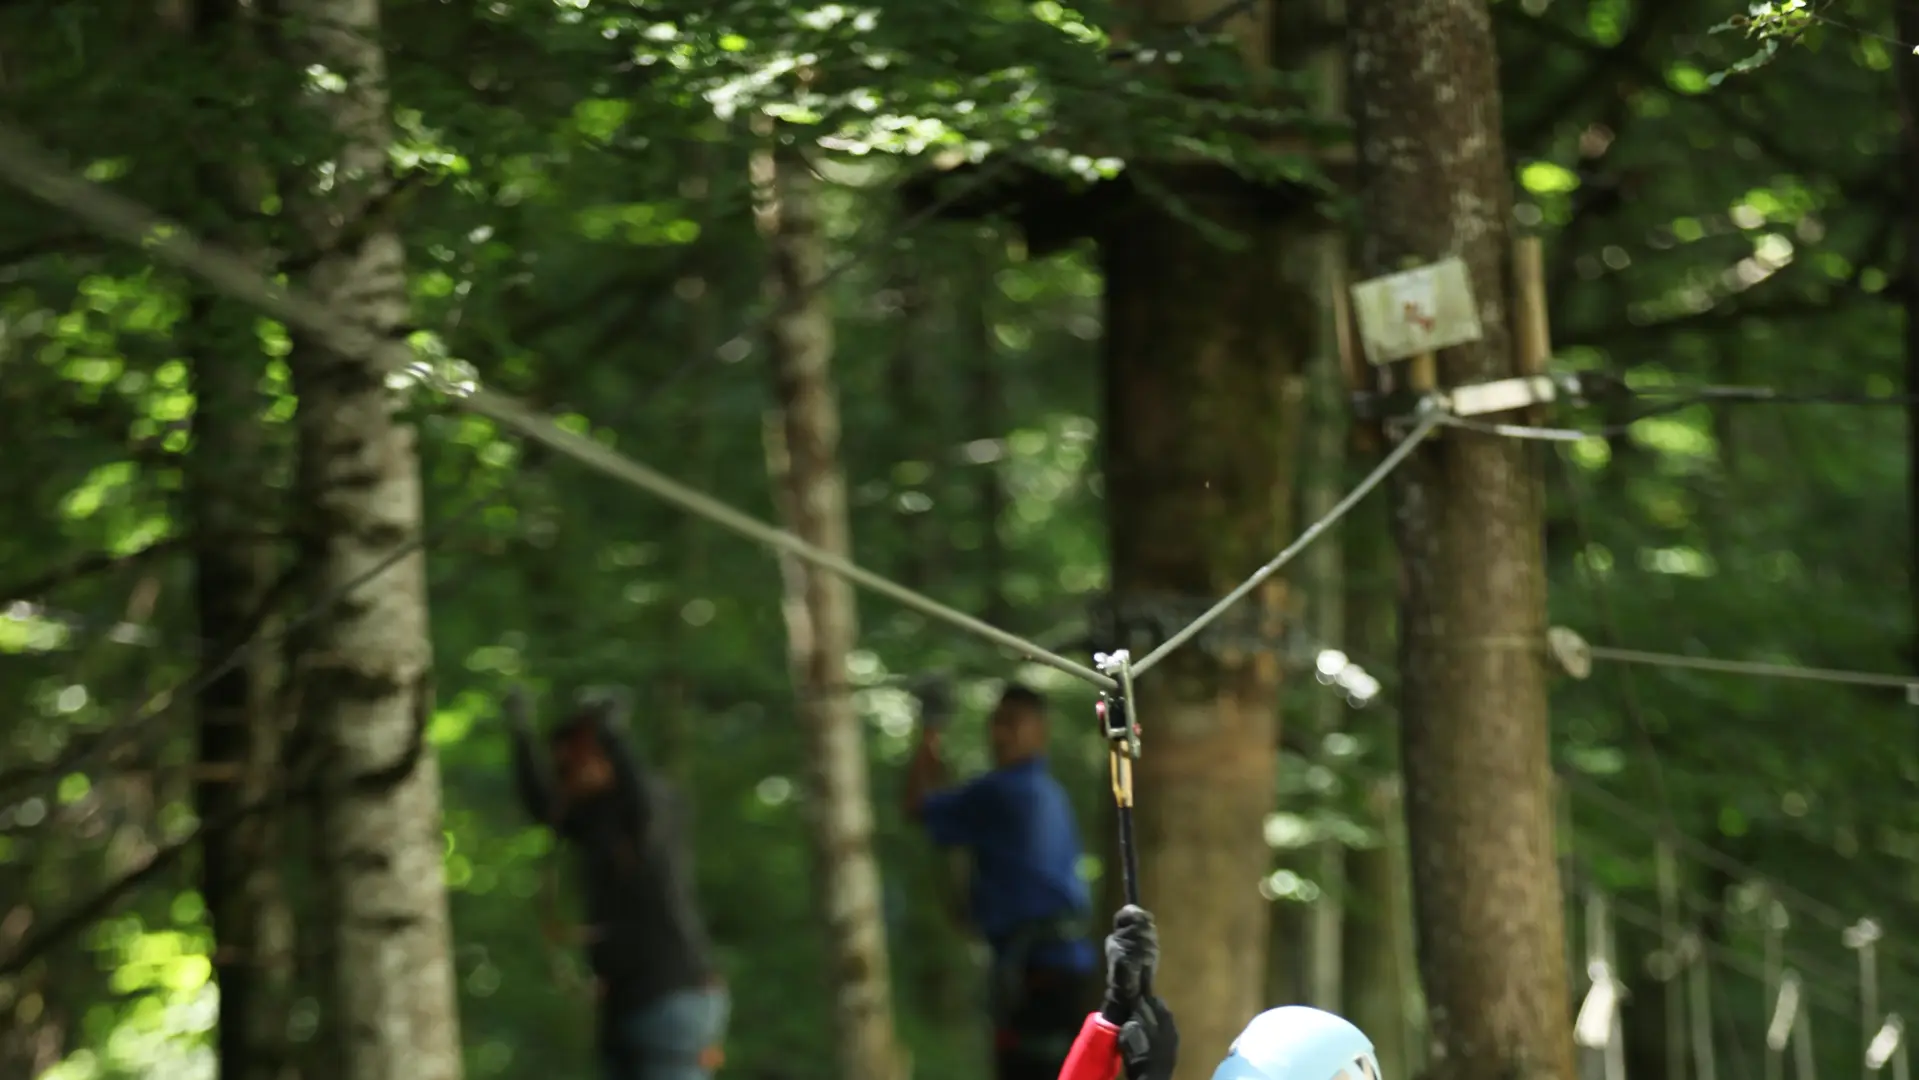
[
  {"x": 1504, "y": 395},
  {"x": 1116, "y": 723}
]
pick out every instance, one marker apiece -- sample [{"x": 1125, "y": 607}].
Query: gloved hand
[
  {"x": 1148, "y": 1038},
  {"x": 1132, "y": 952},
  {"x": 1149, "y": 1042}
]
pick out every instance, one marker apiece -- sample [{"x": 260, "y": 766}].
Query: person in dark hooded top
[{"x": 662, "y": 1006}]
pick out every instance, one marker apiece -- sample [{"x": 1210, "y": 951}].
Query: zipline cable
[
  {"x": 26, "y": 166},
  {"x": 1430, "y": 418},
  {"x": 1678, "y": 661},
  {"x": 1753, "y": 668}
]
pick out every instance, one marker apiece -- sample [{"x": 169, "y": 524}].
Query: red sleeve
[{"x": 1095, "y": 1053}]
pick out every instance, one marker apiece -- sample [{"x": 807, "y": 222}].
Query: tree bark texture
[
  {"x": 1473, "y": 711},
  {"x": 230, "y": 508},
  {"x": 1322, "y": 574},
  {"x": 1381, "y": 980},
  {"x": 803, "y": 438},
  {"x": 365, "y": 674},
  {"x": 1200, "y": 344}
]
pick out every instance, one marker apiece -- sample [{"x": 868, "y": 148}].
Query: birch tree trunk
[
  {"x": 803, "y": 436},
  {"x": 1434, "y": 182},
  {"x": 365, "y": 688}
]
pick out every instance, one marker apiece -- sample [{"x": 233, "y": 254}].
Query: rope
[{"x": 1431, "y": 419}]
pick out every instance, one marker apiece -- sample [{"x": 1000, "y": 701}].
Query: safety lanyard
[{"x": 1120, "y": 728}]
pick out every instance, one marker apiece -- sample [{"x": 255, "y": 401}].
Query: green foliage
[{"x": 578, "y": 236}]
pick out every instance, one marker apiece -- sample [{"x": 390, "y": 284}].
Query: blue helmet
[{"x": 1298, "y": 1043}]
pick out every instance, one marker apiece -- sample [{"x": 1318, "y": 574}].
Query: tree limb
[
  {"x": 89, "y": 565},
  {"x": 102, "y": 903},
  {"x": 95, "y": 907}
]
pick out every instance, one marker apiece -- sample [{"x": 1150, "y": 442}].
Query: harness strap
[{"x": 1010, "y": 961}]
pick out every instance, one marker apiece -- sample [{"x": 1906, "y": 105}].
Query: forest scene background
[{"x": 574, "y": 191}]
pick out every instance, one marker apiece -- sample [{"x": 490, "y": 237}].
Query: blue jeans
[{"x": 667, "y": 1038}]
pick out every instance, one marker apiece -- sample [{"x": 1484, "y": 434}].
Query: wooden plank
[{"x": 1531, "y": 323}]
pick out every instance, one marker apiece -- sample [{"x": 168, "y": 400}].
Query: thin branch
[
  {"x": 89, "y": 565},
  {"x": 103, "y": 902},
  {"x": 98, "y": 906},
  {"x": 12, "y": 256}
]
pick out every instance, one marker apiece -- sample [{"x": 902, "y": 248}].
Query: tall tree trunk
[
  {"x": 1200, "y": 341},
  {"x": 1287, "y": 945},
  {"x": 910, "y": 388},
  {"x": 1322, "y": 578},
  {"x": 1381, "y": 984},
  {"x": 1324, "y": 568},
  {"x": 1203, "y": 345},
  {"x": 821, "y": 622},
  {"x": 1479, "y": 804},
  {"x": 365, "y": 677},
  {"x": 986, "y": 412},
  {"x": 238, "y": 714},
  {"x": 230, "y": 508}
]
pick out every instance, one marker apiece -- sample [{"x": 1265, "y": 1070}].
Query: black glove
[
  {"x": 1132, "y": 952},
  {"x": 1149, "y": 1042}
]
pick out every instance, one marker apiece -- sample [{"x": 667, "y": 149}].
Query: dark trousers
[{"x": 1031, "y": 1039}]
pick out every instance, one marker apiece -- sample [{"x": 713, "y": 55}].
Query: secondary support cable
[
  {"x": 1753, "y": 668},
  {"x": 1430, "y": 418},
  {"x": 26, "y": 166}
]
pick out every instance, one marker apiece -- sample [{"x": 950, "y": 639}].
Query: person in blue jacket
[{"x": 1027, "y": 898}]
